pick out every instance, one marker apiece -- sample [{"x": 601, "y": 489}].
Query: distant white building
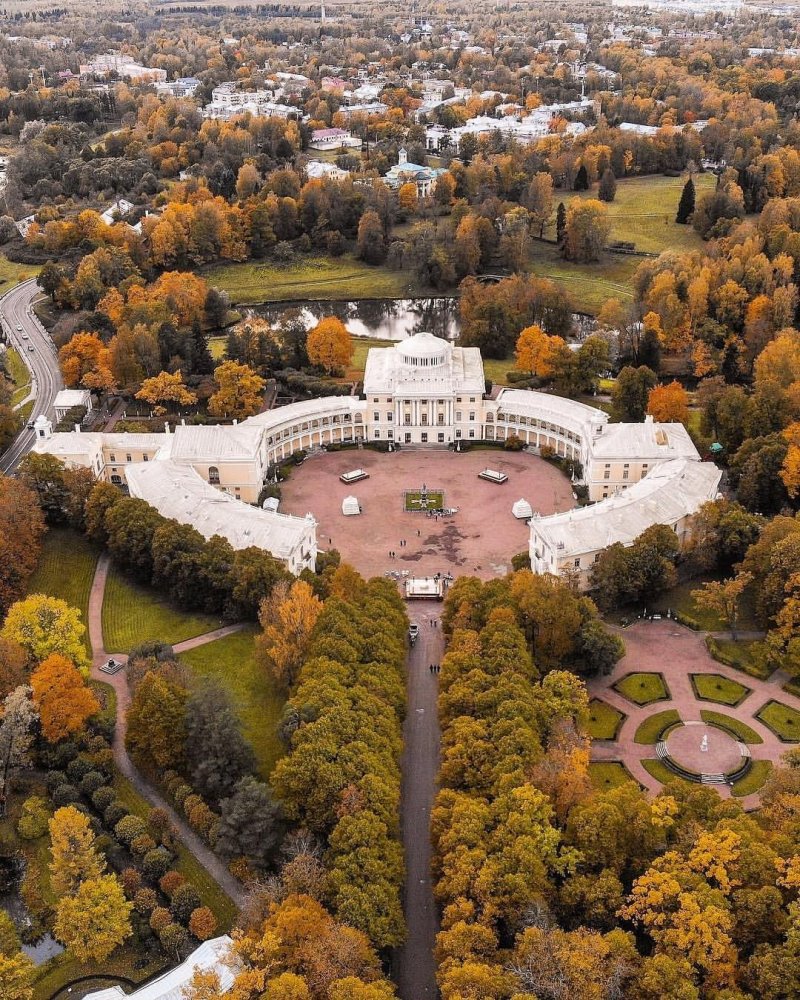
[
  {"x": 210, "y": 956},
  {"x": 368, "y": 109},
  {"x": 186, "y": 86},
  {"x": 125, "y": 67},
  {"x": 316, "y": 169},
  {"x": 68, "y": 399},
  {"x": 227, "y": 102},
  {"x": 115, "y": 212},
  {"x": 333, "y": 138},
  {"x": 404, "y": 172}
]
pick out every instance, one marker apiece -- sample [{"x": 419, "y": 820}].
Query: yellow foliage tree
[
  {"x": 535, "y": 351},
  {"x": 239, "y": 391},
  {"x": 669, "y": 403},
  {"x": 790, "y": 473},
  {"x": 43, "y": 625},
  {"x": 74, "y": 856},
  {"x": 288, "y": 617},
  {"x": 407, "y": 197},
  {"x": 83, "y": 354},
  {"x": 16, "y": 977},
  {"x": 166, "y": 387},
  {"x": 62, "y": 697},
  {"x": 329, "y": 345},
  {"x": 95, "y": 920}
]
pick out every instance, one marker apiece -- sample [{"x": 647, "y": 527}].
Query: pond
[
  {"x": 378, "y": 319},
  {"x": 391, "y": 319},
  {"x": 41, "y": 949}
]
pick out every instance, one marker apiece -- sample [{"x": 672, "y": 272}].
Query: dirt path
[
  {"x": 213, "y": 865},
  {"x": 416, "y": 973},
  {"x": 676, "y": 652}
]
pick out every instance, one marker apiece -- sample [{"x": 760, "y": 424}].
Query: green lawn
[
  {"x": 66, "y": 570},
  {"x": 653, "y": 726},
  {"x": 783, "y": 720},
  {"x": 679, "y": 599},
  {"x": 715, "y": 687},
  {"x": 20, "y": 375},
  {"x": 321, "y": 277},
  {"x": 739, "y": 729},
  {"x": 133, "y": 614},
  {"x": 217, "y": 347},
  {"x": 643, "y": 212},
  {"x": 608, "y": 774},
  {"x": 11, "y": 274},
  {"x": 604, "y": 720},
  {"x": 642, "y": 688},
  {"x": 496, "y": 371},
  {"x": 754, "y": 779},
  {"x": 587, "y": 285},
  {"x": 745, "y": 655},
  {"x": 257, "y": 700},
  {"x": 660, "y": 771},
  {"x": 435, "y": 500}
]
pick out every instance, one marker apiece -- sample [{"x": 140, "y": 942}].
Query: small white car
[
  {"x": 25, "y": 336},
  {"x": 19, "y": 328},
  {"x": 413, "y": 632}
]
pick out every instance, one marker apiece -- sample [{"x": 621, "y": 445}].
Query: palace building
[{"x": 421, "y": 392}]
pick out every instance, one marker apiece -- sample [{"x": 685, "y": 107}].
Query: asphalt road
[
  {"x": 42, "y": 361},
  {"x": 416, "y": 971}
]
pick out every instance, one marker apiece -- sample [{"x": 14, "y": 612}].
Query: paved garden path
[
  {"x": 674, "y": 651},
  {"x": 213, "y": 865},
  {"x": 416, "y": 974}
]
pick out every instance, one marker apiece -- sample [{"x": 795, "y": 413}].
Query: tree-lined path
[
  {"x": 416, "y": 974},
  {"x": 119, "y": 681}
]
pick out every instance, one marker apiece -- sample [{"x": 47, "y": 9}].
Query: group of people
[{"x": 434, "y": 668}]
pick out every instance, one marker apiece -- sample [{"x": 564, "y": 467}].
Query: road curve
[{"x": 16, "y": 311}]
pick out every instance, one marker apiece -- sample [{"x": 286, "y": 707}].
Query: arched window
[
  {"x": 116, "y": 480},
  {"x": 213, "y": 475}
]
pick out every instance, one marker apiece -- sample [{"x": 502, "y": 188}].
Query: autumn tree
[
  {"x": 723, "y": 597},
  {"x": 539, "y": 199},
  {"x": 94, "y": 920},
  {"x": 74, "y": 854},
  {"x": 43, "y": 625},
  {"x": 83, "y": 354},
  {"x": 329, "y": 345},
  {"x": 156, "y": 732},
  {"x": 287, "y": 617},
  {"x": 62, "y": 697},
  {"x": 668, "y": 403},
  {"x": 371, "y": 245},
  {"x": 607, "y": 189},
  {"x": 13, "y": 666},
  {"x": 535, "y": 351},
  {"x": 16, "y": 736},
  {"x": 239, "y": 391},
  {"x": 166, "y": 387},
  {"x": 21, "y": 530},
  {"x": 587, "y": 229},
  {"x": 16, "y": 977}
]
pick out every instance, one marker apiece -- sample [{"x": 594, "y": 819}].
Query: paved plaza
[
  {"x": 676, "y": 653},
  {"x": 479, "y": 540}
]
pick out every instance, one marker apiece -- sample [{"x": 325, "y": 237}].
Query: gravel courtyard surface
[{"x": 479, "y": 540}]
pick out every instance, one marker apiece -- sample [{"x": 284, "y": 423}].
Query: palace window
[{"x": 213, "y": 475}]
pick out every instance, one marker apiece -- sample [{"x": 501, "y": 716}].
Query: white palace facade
[{"x": 421, "y": 392}]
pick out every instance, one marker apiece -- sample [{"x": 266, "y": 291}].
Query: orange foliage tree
[
  {"x": 62, "y": 697},
  {"x": 329, "y": 344},
  {"x": 669, "y": 403}
]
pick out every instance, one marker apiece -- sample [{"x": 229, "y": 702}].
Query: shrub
[
  {"x": 202, "y": 923},
  {"x": 191, "y": 802},
  {"x": 10, "y": 943},
  {"x": 142, "y": 844},
  {"x": 173, "y": 938},
  {"x": 202, "y": 819},
  {"x": 158, "y": 823},
  {"x": 156, "y": 863},
  {"x": 33, "y": 818},
  {"x": 78, "y": 769},
  {"x": 129, "y": 827},
  {"x": 171, "y": 882},
  {"x": 513, "y": 443},
  {"x": 102, "y": 798},
  {"x": 131, "y": 881},
  {"x": 145, "y": 901},
  {"x": 91, "y": 782},
  {"x": 65, "y": 795},
  {"x": 160, "y": 918},
  {"x": 182, "y": 792},
  {"x": 114, "y": 813},
  {"x": 53, "y": 779},
  {"x": 184, "y": 901}
]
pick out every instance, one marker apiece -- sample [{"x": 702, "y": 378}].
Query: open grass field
[
  {"x": 412, "y": 500},
  {"x": 642, "y": 688},
  {"x": 66, "y": 570},
  {"x": 680, "y": 599},
  {"x": 11, "y": 274},
  {"x": 309, "y": 278},
  {"x": 258, "y": 702},
  {"x": 782, "y": 719},
  {"x": 715, "y": 687},
  {"x": 608, "y": 774},
  {"x": 133, "y": 614},
  {"x": 739, "y": 729},
  {"x": 653, "y": 726},
  {"x": 604, "y": 720},
  {"x": 20, "y": 376},
  {"x": 754, "y": 779}
]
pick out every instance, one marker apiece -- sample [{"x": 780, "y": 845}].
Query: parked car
[{"x": 413, "y": 632}]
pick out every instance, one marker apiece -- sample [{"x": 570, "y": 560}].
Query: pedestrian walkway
[{"x": 119, "y": 681}]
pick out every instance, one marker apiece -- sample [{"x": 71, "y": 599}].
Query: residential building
[
  {"x": 124, "y": 67},
  {"x": 316, "y": 169},
  {"x": 186, "y": 86},
  {"x": 333, "y": 138}
]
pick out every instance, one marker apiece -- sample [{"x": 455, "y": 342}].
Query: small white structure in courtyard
[
  {"x": 522, "y": 510},
  {"x": 350, "y": 506}
]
